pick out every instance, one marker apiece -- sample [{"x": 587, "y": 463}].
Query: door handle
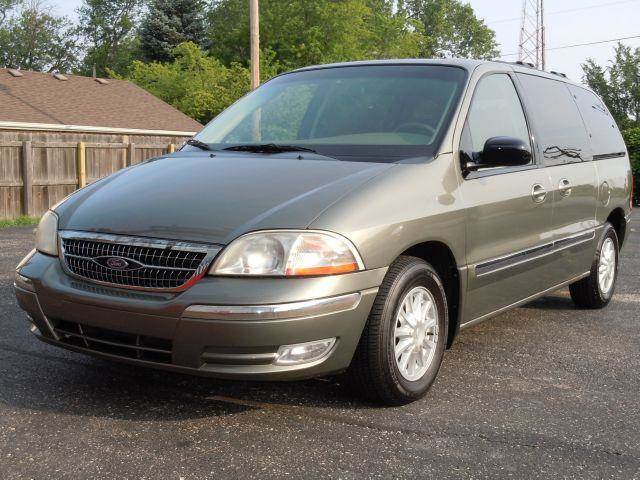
[
  {"x": 538, "y": 193},
  {"x": 564, "y": 187}
]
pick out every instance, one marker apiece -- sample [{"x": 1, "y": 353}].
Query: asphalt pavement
[{"x": 544, "y": 391}]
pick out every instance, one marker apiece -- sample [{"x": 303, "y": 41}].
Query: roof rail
[{"x": 560, "y": 74}]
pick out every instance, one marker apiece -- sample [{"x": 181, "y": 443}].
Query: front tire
[
  {"x": 596, "y": 290},
  {"x": 401, "y": 348}
]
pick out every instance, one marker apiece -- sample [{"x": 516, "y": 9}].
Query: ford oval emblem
[{"x": 117, "y": 263}]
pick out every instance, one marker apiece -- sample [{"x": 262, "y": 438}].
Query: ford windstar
[{"x": 342, "y": 218}]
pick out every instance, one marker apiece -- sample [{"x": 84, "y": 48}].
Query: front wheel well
[
  {"x": 616, "y": 218},
  {"x": 441, "y": 258}
]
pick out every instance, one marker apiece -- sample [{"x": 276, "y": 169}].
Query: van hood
[{"x": 195, "y": 196}]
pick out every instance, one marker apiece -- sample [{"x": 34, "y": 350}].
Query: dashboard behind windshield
[{"x": 367, "y": 113}]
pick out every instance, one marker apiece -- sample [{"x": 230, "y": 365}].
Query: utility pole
[
  {"x": 532, "y": 48},
  {"x": 254, "y": 28}
]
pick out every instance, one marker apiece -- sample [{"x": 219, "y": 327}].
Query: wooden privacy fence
[{"x": 36, "y": 175}]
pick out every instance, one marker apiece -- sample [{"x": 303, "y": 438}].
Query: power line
[
  {"x": 570, "y": 10},
  {"x": 580, "y": 44}
]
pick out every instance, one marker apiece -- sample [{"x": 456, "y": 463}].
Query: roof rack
[
  {"x": 524, "y": 64},
  {"x": 531, "y": 65}
]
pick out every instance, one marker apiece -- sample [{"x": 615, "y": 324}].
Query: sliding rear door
[{"x": 566, "y": 152}]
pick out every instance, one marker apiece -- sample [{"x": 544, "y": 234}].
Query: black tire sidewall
[{"x": 416, "y": 274}]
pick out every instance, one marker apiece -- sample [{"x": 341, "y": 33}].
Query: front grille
[
  {"x": 134, "y": 263},
  {"x": 122, "y": 344}
]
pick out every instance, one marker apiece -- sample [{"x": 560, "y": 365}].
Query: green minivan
[{"x": 346, "y": 218}]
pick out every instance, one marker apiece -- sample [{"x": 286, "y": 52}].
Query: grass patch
[{"x": 23, "y": 221}]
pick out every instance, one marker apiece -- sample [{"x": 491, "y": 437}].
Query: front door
[{"x": 508, "y": 210}]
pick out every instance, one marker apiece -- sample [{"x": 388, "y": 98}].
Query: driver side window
[{"x": 495, "y": 111}]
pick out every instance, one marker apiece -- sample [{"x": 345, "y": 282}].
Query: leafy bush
[{"x": 198, "y": 85}]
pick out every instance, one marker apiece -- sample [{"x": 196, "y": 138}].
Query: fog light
[{"x": 304, "y": 352}]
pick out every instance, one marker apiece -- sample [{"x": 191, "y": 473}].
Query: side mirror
[{"x": 502, "y": 152}]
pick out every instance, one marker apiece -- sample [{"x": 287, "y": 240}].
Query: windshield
[{"x": 366, "y": 113}]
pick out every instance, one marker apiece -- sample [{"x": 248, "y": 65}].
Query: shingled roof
[{"x": 71, "y": 100}]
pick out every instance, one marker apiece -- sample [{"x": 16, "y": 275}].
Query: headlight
[
  {"x": 47, "y": 234},
  {"x": 288, "y": 253}
]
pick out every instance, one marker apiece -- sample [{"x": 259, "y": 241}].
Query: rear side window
[
  {"x": 606, "y": 139},
  {"x": 495, "y": 112},
  {"x": 559, "y": 127}
]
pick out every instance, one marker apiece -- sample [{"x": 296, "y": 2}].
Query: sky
[{"x": 567, "y": 22}]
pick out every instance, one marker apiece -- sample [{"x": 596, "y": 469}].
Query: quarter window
[{"x": 605, "y": 136}]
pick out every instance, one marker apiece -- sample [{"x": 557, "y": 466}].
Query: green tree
[
  {"x": 169, "y": 23},
  {"x": 298, "y": 33},
  {"x": 5, "y": 7},
  {"x": 198, "y": 85},
  {"x": 632, "y": 139},
  {"x": 35, "y": 39},
  {"x": 618, "y": 84},
  {"x": 393, "y": 33},
  {"x": 108, "y": 27},
  {"x": 450, "y": 28}
]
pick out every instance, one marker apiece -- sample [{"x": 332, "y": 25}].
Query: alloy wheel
[
  {"x": 416, "y": 333},
  {"x": 607, "y": 266}
]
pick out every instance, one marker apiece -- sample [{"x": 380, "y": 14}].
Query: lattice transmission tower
[{"x": 532, "y": 35}]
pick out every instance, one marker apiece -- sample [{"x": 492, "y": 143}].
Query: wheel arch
[
  {"x": 617, "y": 219},
  {"x": 442, "y": 259}
]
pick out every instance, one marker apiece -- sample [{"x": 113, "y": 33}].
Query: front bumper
[{"x": 220, "y": 327}]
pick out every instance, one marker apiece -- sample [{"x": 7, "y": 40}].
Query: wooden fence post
[
  {"x": 27, "y": 178},
  {"x": 125, "y": 159},
  {"x": 82, "y": 164},
  {"x": 131, "y": 154}
]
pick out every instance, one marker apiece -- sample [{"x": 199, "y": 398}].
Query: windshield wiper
[
  {"x": 197, "y": 143},
  {"x": 269, "y": 148}
]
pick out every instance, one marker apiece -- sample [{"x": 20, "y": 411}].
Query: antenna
[{"x": 532, "y": 34}]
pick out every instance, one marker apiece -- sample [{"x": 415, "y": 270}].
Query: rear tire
[
  {"x": 396, "y": 362},
  {"x": 596, "y": 290}
]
